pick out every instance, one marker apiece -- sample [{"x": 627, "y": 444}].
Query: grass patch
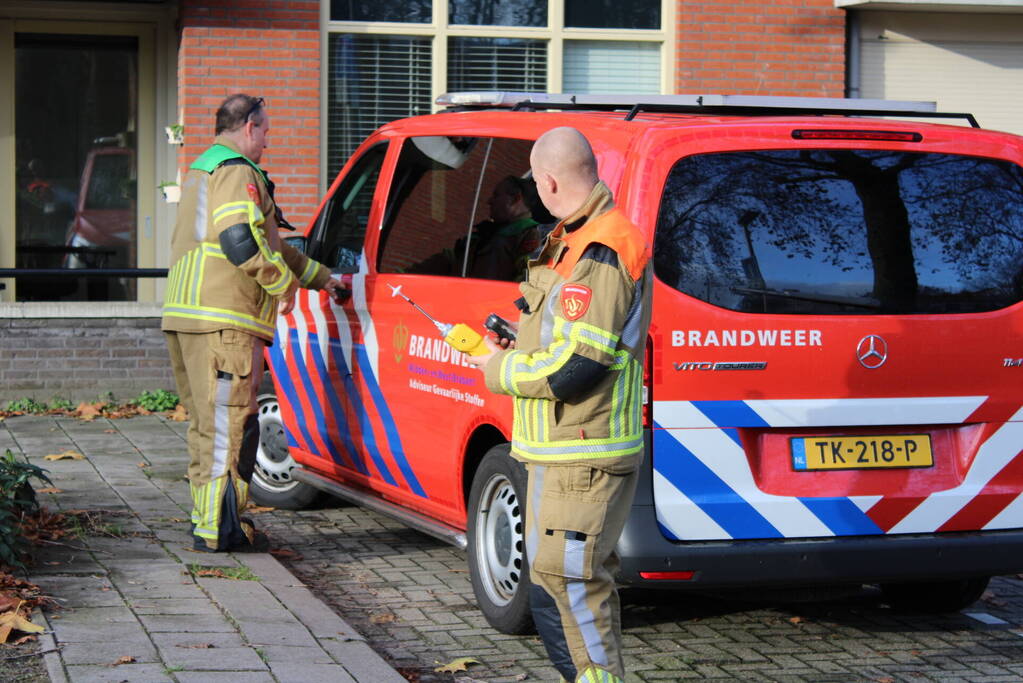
[
  {"x": 236, "y": 573},
  {"x": 96, "y": 523}
]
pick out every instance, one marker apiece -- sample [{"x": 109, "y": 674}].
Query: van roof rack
[{"x": 734, "y": 105}]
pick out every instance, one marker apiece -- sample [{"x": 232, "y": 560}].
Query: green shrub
[
  {"x": 17, "y": 499},
  {"x": 156, "y": 401},
  {"x": 26, "y": 405},
  {"x": 57, "y": 403}
]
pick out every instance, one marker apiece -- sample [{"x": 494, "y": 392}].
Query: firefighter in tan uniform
[
  {"x": 576, "y": 378},
  {"x": 230, "y": 275}
]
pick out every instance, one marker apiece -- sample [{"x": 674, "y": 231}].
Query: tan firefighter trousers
[
  {"x": 575, "y": 514},
  {"x": 218, "y": 374}
]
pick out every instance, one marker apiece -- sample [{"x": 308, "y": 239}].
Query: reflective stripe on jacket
[
  {"x": 205, "y": 291},
  {"x": 576, "y": 372}
]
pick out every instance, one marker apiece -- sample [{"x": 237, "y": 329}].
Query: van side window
[
  {"x": 442, "y": 188},
  {"x": 338, "y": 238}
]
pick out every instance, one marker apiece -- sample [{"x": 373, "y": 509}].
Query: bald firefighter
[
  {"x": 576, "y": 378},
  {"x": 230, "y": 276}
]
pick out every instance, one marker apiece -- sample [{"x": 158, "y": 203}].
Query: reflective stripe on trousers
[{"x": 581, "y": 581}]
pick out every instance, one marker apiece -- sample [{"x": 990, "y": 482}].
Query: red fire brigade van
[{"x": 834, "y": 371}]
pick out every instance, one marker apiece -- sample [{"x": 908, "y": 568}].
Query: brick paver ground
[
  {"x": 136, "y": 603},
  {"x": 410, "y": 596}
]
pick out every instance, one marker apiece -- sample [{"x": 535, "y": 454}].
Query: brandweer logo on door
[{"x": 399, "y": 338}]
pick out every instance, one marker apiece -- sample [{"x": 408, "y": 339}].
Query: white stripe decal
[
  {"x": 864, "y": 503},
  {"x": 283, "y": 323},
  {"x": 726, "y": 459},
  {"x": 1009, "y": 518},
  {"x": 993, "y": 455},
  {"x": 319, "y": 323},
  {"x": 866, "y": 411},
  {"x": 369, "y": 334},
  {"x": 344, "y": 333},
  {"x": 672, "y": 504},
  {"x": 299, "y": 322}
]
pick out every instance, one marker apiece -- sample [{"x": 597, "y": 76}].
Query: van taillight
[
  {"x": 648, "y": 383},
  {"x": 668, "y": 576},
  {"x": 887, "y": 135}
]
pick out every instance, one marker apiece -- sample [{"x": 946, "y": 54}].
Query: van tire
[
  {"x": 935, "y": 597},
  {"x": 497, "y": 543},
  {"x": 272, "y": 484}
]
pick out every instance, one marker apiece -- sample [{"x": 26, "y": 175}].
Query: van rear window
[{"x": 843, "y": 231}]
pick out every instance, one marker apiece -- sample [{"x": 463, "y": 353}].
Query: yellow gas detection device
[{"x": 459, "y": 335}]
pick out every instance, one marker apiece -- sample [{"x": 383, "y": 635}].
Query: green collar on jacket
[{"x": 217, "y": 154}]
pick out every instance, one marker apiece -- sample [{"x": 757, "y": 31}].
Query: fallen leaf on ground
[
  {"x": 109, "y": 431},
  {"x": 213, "y": 571},
  {"x": 521, "y": 677},
  {"x": 198, "y": 646},
  {"x": 142, "y": 464},
  {"x": 24, "y": 639},
  {"x": 66, "y": 455},
  {"x": 50, "y": 489},
  {"x": 7, "y": 601},
  {"x": 126, "y": 659},
  {"x": 385, "y": 618},
  {"x": 460, "y": 664},
  {"x": 286, "y": 554},
  {"x": 89, "y": 411},
  {"x": 796, "y": 620},
  {"x": 12, "y": 621},
  {"x": 179, "y": 414},
  {"x": 258, "y": 508}
]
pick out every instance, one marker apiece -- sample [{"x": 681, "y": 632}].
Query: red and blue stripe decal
[
  {"x": 704, "y": 488},
  {"x": 320, "y": 392}
]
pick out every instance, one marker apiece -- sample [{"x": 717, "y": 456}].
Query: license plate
[{"x": 861, "y": 452}]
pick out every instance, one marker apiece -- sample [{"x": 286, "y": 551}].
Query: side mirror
[{"x": 344, "y": 260}]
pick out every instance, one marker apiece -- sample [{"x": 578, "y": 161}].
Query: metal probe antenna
[{"x": 444, "y": 328}]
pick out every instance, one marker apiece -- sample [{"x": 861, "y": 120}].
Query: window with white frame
[{"x": 388, "y": 59}]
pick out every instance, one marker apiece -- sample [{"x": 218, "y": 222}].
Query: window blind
[
  {"x": 611, "y": 67},
  {"x": 497, "y": 64},
  {"x": 372, "y": 80}
]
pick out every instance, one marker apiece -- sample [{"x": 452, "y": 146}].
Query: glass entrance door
[{"x": 76, "y": 115}]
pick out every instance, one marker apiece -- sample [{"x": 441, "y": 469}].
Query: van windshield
[{"x": 843, "y": 231}]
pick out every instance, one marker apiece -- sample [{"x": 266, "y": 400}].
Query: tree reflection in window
[
  {"x": 498, "y": 12},
  {"x": 843, "y": 231}
]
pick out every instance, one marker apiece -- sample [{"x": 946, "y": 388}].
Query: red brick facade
[
  {"x": 776, "y": 47},
  {"x": 267, "y": 48}
]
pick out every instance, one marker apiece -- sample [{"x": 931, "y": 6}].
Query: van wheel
[
  {"x": 935, "y": 597},
  {"x": 272, "y": 484},
  {"x": 496, "y": 536}
]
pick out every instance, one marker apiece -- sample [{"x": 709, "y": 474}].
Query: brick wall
[
  {"x": 776, "y": 47},
  {"x": 81, "y": 358},
  {"x": 266, "y": 48}
]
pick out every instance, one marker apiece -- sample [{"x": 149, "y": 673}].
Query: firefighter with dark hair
[
  {"x": 230, "y": 276},
  {"x": 576, "y": 378}
]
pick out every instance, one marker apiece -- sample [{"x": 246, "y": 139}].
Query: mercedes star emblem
[{"x": 872, "y": 351}]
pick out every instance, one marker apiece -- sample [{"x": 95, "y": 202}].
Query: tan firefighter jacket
[
  {"x": 576, "y": 371},
  {"x": 224, "y": 195}
]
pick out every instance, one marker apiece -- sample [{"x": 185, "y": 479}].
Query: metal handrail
[{"x": 82, "y": 272}]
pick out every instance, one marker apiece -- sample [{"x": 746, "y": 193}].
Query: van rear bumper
[{"x": 788, "y": 562}]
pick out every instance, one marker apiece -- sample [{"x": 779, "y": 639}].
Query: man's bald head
[{"x": 564, "y": 169}]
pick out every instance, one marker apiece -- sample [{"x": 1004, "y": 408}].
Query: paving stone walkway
[{"x": 137, "y": 603}]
